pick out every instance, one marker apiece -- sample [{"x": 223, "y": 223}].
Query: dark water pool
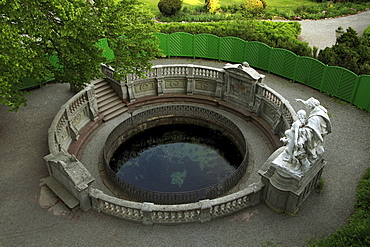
[{"x": 176, "y": 158}]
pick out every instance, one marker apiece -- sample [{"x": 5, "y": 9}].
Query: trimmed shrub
[
  {"x": 275, "y": 34},
  {"x": 366, "y": 33},
  {"x": 169, "y": 7}
]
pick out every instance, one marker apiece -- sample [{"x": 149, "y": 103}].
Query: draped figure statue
[{"x": 305, "y": 139}]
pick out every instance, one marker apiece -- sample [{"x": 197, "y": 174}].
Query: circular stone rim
[{"x": 161, "y": 115}]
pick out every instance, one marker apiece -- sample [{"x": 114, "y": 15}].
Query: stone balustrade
[
  {"x": 71, "y": 118},
  {"x": 202, "y": 211},
  {"x": 236, "y": 84},
  {"x": 238, "y": 88}
]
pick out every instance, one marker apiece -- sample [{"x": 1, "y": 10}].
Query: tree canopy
[
  {"x": 350, "y": 51},
  {"x": 33, "y": 30}
]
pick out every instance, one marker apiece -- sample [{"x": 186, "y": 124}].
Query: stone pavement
[{"x": 28, "y": 217}]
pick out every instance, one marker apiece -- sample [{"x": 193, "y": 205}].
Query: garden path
[{"x": 321, "y": 33}]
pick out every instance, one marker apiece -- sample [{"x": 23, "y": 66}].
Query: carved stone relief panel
[
  {"x": 205, "y": 86},
  {"x": 175, "y": 84},
  {"x": 81, "y": 117},
  {"x": 239, "y": 88},
  {"x": 144, "y": 87}
]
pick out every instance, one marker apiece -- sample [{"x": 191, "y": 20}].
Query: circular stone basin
[
  {"x": 175, "y": 154},
  {"x": 176, "y": 158}
]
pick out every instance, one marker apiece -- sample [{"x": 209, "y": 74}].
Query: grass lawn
[{"x": 271, "y": 4}]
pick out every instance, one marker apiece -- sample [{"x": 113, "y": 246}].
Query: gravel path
[{"x": 321, "y": 33}]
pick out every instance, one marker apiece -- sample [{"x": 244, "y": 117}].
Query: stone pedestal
[{"x": 286, "y": 189}]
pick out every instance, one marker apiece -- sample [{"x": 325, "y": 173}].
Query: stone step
[
  {"x": 99, "y": 84},
  {"x": 102, "y": 88},
  {"x": 114, "y": 114},
  {"x": 62, "y": 193},
  {"x": 113, "y": 109},
  {"x": 113, "y": 102},
  {"x": 109, "y": 104},
  {"x": 104, "y": 91},
  {"x": 97, "y": 81},
  {"x": 103, "y": 102},
  {"x": 101, "y": 98}
]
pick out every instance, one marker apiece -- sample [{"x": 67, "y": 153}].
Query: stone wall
[
  {"x": 237, "y": 88},
  {"x": 236, "y": 84}
]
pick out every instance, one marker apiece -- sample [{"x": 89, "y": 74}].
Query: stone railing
[
  {"x": 202, "y": 211},
  {"x": 72, "y": 117},
  {"x": 239, "y": 86}
]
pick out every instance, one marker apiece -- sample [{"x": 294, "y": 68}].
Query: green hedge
[
  {"x": 366, "y": 33},
  {"x": 275, "y": 34}
]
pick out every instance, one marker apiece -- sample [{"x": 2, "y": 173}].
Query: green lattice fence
[
  {"x": 283, "y": 62},
  {"x": 207, "y": 46},
  {"x": 310, "y": 72},
  {"x": 257, "y": 54},
  {"x": 163, "y": 43},
  {"x": 181, "y": 45},
  {"x": 361, "y": 96},
  {"x": 232, "y": 49},
  {"x": 339, "y": 82}
]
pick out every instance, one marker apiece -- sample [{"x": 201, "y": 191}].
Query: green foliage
[
  {"x": 366, "y": 33},
  {"x": 351, "y": 52},
  {"x": 169, "y": 7},
  {"x": 200, "y": 17},
  {"x": 211, "y": 5},
  {"x": 357, "y": 232},
  {"x": 275, "y": 34},
  {"x": 252, "y": 7},
  {"x": 32, "y": 29}
]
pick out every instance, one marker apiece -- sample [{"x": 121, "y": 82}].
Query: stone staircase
[{"x": 109, "y": 104}]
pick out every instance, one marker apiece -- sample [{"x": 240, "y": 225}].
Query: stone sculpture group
[{"x": 304, "y": 141}]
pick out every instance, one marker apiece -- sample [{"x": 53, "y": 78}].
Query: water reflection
[{"x": 176, "y": 158}]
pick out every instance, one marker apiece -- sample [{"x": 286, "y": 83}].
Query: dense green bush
[
  {"x": 252, "y": 7},
  {"x": 357, "y": 232},
  {"x": 366, "y": 33},
  {"x": 275, "y": 34},
  {"x": 169, "y": 7},
  {"x": 200, "y": 17},
  {"x": 350, "y": 51}
]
